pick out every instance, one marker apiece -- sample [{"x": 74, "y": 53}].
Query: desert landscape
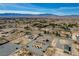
[{"x": 39, "y": 36}]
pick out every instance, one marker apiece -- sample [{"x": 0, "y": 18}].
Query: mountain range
[{"x": 23, "y": 15}]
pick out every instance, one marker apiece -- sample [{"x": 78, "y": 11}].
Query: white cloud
[
  {"x": 67, "y": 11},
  {"x": 32, "y": 9},
  {"x": 21, "y": 12}
]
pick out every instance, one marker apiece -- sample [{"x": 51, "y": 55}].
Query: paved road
[
  {"x": 39, "y": 51},
  {"x": 8, "y": 48}
]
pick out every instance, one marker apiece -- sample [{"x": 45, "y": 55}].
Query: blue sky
[{"x": 40, "y": 8}]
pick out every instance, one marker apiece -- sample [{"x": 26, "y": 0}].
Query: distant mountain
[
  {"x": 14, "y": 14},
  {"x": 17, "y": 14},
  {"x": 47, "y": 15},
  {"x": 72, "y": 15},
  {"x": 23, "y": 15}
]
